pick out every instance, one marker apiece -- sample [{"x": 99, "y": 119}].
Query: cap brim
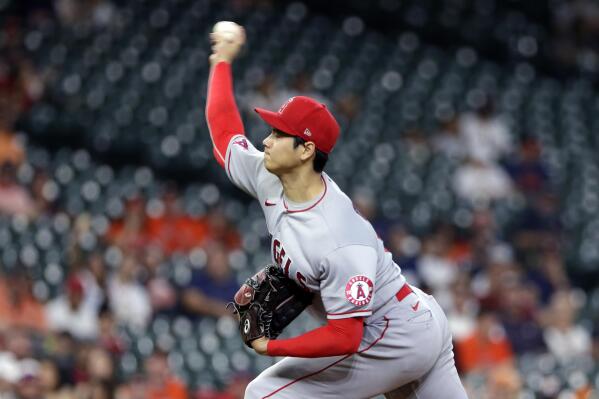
[{"x": 274, "y": 119}]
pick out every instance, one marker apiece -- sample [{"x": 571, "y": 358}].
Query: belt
[{"x": 403, "y": 292}]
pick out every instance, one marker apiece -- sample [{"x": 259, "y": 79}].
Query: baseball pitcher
[{"x": 379, "y": 334}]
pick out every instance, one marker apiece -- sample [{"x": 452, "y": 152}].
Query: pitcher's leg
[
  {"x": 443, "y": 380},
  {"x": 303, "y": 378},
  {"x": 405, "y": 350}
]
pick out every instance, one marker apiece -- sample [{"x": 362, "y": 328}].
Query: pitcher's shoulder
[{"x": 344, "y": 223}]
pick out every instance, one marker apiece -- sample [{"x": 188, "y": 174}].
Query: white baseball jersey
[
  {"x": 328, "y": 248},
  {"x": 324, "y": 245}
]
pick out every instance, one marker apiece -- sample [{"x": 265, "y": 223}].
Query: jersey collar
[{"x": 296, "y": 207}]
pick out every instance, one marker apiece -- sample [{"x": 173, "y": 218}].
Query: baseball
[{"x": 229, "y": 31}]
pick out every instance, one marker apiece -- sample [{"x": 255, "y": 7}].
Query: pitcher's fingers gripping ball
[
  {"x": 266, "y": 303},
  {"x": 227, "y": 39}
]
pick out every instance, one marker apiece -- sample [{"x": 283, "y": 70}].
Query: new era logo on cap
[{"x": 306, "y": 118}]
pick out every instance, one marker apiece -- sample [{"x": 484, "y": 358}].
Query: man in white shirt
[{"x": 69, "y": 312}]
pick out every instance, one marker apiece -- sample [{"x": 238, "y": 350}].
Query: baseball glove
[{"x": 266, "y": 303}]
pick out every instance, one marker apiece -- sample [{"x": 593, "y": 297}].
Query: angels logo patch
[{"x": 359, "y": 290}]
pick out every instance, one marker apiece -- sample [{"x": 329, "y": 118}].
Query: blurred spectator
[
  {"x": 62, "y": 350},
  {"x": 504, "y": 382},
  {"x": 29, "y": 384},
  {"x": 133, "y": 388},
  {"x": 44, "y": 192},
  {"x": 131, "y": 233},
  {"x": 95, "y": 390},
  {"x": 14, "y": 346},
  {"x": 91, "y": 271},
  {"x": 163, "y": 296},
  {"x": 519, "y": 316},
  {"x": 538, "y": 225},
  {"x": 220, "y": 229},
  {"x": 211, "y": 287},
  {"x": 99, "y": 366},
  {"x": 18, "y": 370},
  {"x": 486, "y": 347},
  {"x": 160, "y": 381},
  {"x": 436, "y": 269},
  {"x": 448, "y": 140},
  {"x": 69, "y": 312},
  {"x": 108, "y": 336},
  {"x": 11, "y": 150},
  {"x": 480, "y": 182},
  {"x": 499, "y": 271},
  {"x": 18, "y": 306},
  {"x": 484, "y": 240},
  {"x": 49, "y": 376},
  {"x": 565, "y": 339},
  {"x": 486, "y": 136},
  {"x": 461, "y": 314},
  {"x": 548, "y": 273},
  {"x": 13, "y": 97},
  {"x": 527, "y": 171},
  {"x": 32, "y": 82},
  {"x": 14, "y": 199},
  {"x": 128, "y": 298},
  {"x": 174, "y": 230}
]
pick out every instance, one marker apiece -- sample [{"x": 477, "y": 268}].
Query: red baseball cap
[{"x": 306, "y": 118}]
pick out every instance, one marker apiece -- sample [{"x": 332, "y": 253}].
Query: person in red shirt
[
  {"x": 160, "y": 383},
  {"x": 486, "y": 347},
  {"x": 18, "y": 306}
]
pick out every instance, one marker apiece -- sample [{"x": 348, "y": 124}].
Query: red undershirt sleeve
[
  {"x": 222, "y": 115},
  {"x": 338, "y": 337}
]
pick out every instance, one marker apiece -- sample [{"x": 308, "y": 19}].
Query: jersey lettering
[
  {"x": 301, "y": 280},
  {"x": 286, "y": 269},
  {"x": 275, "y": 251},
  {"x": 278, "y": 255}
]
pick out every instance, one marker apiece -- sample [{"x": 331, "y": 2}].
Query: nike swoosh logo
[
  {"x": 269, "y": 203},
  {"x": 415, "y": 307}
]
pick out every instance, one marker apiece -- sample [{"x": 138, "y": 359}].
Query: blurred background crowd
[{"x": 468, "y": 140}]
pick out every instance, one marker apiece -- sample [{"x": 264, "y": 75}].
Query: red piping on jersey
[
  {"x": 311, "y": 206},
  {"x": 230, "y": 155},
  {"x": 332, "y": 364}
]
